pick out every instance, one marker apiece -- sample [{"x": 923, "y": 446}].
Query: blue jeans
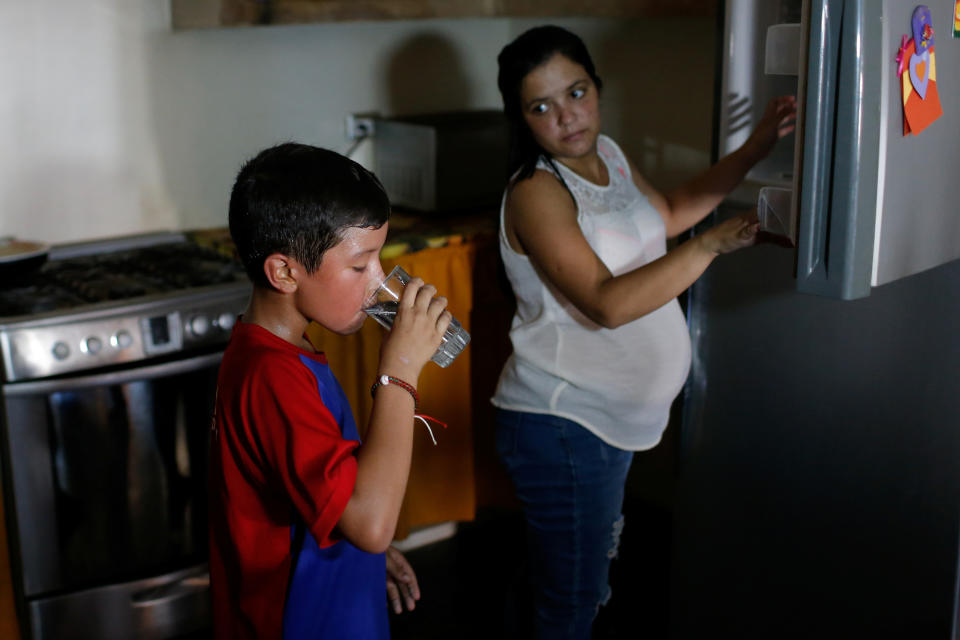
[{"x": 571, "y": 484}]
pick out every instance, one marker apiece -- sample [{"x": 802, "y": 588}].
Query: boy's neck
[{"x": 274, "y": 312}]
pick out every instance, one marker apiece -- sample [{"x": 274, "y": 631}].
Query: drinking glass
[{"x": 384, "y": 310}]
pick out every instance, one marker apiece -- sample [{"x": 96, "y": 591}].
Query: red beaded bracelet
[{"x": 384, "y": 380}]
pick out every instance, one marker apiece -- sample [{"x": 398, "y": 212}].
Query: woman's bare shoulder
[
  {"x": 536, "y": 207},
  {"x": 541, "y": 191}
]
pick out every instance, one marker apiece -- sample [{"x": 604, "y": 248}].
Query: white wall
[{"x": 112, "y": 123}]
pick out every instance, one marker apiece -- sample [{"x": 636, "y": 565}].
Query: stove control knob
[
  {"x": 121, "y": 339},
  {"x": 61, "y": 351},
  {"x": 92, "y": 345},
  {"x": 226, "y": 321},
  {"x": 199, "y": 326}
]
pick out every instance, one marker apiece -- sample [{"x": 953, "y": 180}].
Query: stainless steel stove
[
  {"x": 110, "y": 354},
  {"x": 117, "y": 301}
]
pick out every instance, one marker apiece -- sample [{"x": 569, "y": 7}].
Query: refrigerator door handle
[
  {"x": 838, "y": 193},
  {"x": 818, "y": 138}
]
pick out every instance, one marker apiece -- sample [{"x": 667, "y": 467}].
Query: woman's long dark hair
[{"x": 530, "y": 50}]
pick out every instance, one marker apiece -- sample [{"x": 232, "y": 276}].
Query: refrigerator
[{"x": 819, "y": 447}]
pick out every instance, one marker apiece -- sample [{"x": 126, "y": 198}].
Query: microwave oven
[{"x": 443, "y": 162}]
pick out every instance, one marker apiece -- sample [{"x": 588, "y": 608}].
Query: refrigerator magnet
[
  {"x": 917, "y": 68},
  {"x": 922, "y": 27},
  {"x": 956, "y": 18}
]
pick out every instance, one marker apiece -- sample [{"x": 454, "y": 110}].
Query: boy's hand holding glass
[
  {"x": 397, "y": 293},
  {"x": 418, "y": 319}
]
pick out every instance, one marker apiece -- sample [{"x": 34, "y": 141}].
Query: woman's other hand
[
  {"x": 779, "y": 120},
  {"x": 402, "y": 588},
  {"x": 735, "y": 233}
]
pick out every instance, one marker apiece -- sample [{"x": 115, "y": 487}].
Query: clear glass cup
[{"x": 384, "y": 310}]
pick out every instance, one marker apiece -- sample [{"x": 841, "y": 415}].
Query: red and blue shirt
[{"x": 282, "y": 469}]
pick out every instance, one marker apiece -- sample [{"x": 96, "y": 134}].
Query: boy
[{"x": 301, "y": 513}]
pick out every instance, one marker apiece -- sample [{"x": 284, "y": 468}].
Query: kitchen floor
[{"x": 473, "y": 586}]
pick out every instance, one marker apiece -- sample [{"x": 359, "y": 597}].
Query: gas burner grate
[
  {"x": 122, "y": 275},
  {"x": 36, "y": 298}
]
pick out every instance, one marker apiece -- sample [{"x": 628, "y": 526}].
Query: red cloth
[{"x": 277, "y": 453}]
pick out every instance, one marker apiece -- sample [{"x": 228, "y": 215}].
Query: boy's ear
[{"x": 280, "y": 272}]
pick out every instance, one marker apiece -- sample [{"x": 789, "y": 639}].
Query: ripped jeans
[{"x": 571, "y": 484}]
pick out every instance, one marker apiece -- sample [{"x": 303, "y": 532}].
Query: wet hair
[
  {"x": 527, "y": 52},
  {"x": 298, "y": 200}
]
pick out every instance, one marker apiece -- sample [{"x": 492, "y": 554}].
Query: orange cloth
[{"x": 441, "y": 486}]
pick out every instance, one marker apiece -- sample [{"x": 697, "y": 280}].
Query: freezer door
[
  {"x": 918, "y": 224},
  {"x": 875, "y": 205}
]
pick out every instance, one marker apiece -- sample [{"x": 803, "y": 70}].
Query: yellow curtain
[{"x": 441, "y": 486}]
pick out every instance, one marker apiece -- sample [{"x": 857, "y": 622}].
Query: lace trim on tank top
[{"x": 599, "y": 199}]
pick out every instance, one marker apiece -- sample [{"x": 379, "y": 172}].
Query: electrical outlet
[{"x": 358, "y": 126}]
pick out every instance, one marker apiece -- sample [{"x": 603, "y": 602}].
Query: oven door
[{"x": 107, "y": 477}]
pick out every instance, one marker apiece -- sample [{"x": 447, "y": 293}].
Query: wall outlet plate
[{"x": 359, "y": 125}]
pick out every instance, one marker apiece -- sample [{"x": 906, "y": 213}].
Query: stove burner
[
  {"x": 23, "y": 300},
  {"x": 122, "y": 275}
]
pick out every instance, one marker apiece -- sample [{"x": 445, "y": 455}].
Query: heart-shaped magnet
[{"x": 920, "y": 84}]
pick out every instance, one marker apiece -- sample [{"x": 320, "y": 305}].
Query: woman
[{"x": 601, "y": 348}]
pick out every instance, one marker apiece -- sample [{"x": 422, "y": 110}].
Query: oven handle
[
  {"x": 170, "y": 592},
  {"x": 114, "y": 377}
]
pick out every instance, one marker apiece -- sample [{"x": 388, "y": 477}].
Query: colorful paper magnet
[
  {"x": 919, "y": 65},
  {"x": 918, "y": 86},
  {"x": 922, "y": 24},
  {"x": 919, "y": 111},
  {"x": 956, "y": 19}
]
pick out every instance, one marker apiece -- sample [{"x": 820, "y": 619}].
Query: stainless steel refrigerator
[{"x": 819, "y": 465}]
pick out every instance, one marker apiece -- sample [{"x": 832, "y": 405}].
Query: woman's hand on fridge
[
  {"x": 779, "y": 120},
  {"x": 734, "y": 233}
]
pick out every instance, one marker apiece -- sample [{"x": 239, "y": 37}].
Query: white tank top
[{"x": 617, "y": 383}]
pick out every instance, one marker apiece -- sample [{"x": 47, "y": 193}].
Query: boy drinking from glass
[{"x": 301, "y": 512}]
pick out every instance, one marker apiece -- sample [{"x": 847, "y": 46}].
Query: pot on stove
[{"x": 20, "y": 258}]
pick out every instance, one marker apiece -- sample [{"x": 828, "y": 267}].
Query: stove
[
  {"x": 120, "y": 300},
  {"x": 110, "y": 352}
]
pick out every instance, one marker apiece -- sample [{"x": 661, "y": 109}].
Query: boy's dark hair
[
  {"x": 527, "y": 52},
  {"x": 298, "y": 200}
]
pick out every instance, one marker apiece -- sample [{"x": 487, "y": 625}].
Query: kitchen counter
[{"x": 408, "y": 233}]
